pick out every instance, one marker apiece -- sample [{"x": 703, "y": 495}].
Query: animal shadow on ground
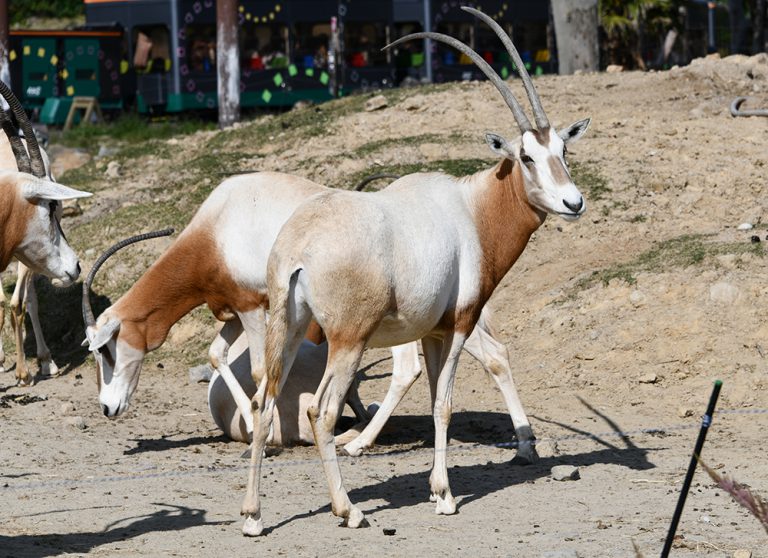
[
  {"x": 167, "y": 518},
  {"x": 61, "y": 317},
  {"x": 470, "y": 483},
  {"x": 144, "y": 445}
]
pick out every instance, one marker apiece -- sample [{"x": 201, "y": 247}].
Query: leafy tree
[{"x": 21, "y": 10}]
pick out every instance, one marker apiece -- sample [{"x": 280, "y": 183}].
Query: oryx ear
[
  {"x": 499, "y": 145},
  {"x": 574, "y": 131},
  {"x": 37, "y": 188},
  {"x": 98, "y": 337}
]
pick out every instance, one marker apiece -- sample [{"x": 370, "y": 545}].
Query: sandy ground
[{"x": 614, "y": 375}]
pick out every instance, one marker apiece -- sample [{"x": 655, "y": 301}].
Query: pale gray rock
[
  {"x": 200, "y": 374},
  {"x": 565, "y": 473}
]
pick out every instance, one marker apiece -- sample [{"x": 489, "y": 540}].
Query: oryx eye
[{"x": 525, "y": 159}]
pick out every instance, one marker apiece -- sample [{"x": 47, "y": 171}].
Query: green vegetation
[
  {"x": 22, "y": 10},
  {"x": 588, "y": 178},
  {"x": 679, "y": 252}
]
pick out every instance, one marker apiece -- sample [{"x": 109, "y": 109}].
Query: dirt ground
[{"x": 616, "y": 326}]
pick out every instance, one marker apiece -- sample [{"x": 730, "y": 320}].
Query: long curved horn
[
  {"x": 501, "y": 85},
  {"x": 360, "y": 186},
  {"x": 736, "y": 111},
  {"x": 19, "y": 152},
  {"x": 538, "y": 111},
  {"x": 88, "y": 317},
  {"x": 36, "y": 159}
]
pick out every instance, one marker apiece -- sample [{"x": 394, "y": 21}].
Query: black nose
[
  {"x": 575, "y": 207},
  {"x": 105, "y": 409}
]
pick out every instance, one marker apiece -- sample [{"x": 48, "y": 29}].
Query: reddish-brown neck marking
[
  {"x": 190, "y": 273},
  {"x": 15, "y": 214},
  {"x": 505, "y": 221}
]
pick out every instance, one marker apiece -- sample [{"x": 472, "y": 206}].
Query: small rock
[
  {"x": 200, "y": 374},
  {"x": 376, "y": 103},
  {"x": 649, "y": 378},
  {"x": 78, "y": 422},
  {"x": 90, "y": 252},
  {"x": 67, "y": 408},
  {"x": 113, "y": 170},
  {"x": 389, "y": 532},
  {"x": 614, "y": 69},
  {"x": 755, "y": 239},
  {"x": 742, "y": 553},
  {"x": 417, "y": 102},
  {"x": 685, "y": 412},
  {"x": 745, "y": 227},
  {"x": 637, "y": 298},
  {"x": 565, "y": 473},
  {"x": 546, "y": 448},
  {"x": 105, "y": 151},
  {"x": 723, "y": 293}
]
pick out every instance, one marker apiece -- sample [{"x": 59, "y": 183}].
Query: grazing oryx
[
  {"x": 29, "y": 217},
  {"x": 736, "y": 109},
  {"x": 428, "y": 252}
]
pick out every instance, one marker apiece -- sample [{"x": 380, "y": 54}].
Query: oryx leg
[
  {"x": 324, "y": 412},
  {"x": 2, "y": 324},
  {"x": 452, "y": 345},
  {"x": 18, "y": 311},
  {"x": 494, "y": 358},
  {"x": 262, "y": 409},
  {"x": 405, "y": 370},
  {"x": 218, "y": 355},
  {"x": 44, "y": 360}
]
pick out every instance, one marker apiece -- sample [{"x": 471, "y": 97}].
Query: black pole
[{"x": 706, "y": 421}]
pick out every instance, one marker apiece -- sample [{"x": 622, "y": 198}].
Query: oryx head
[
  {"x": 540, "y": 151},
  {"x": 31, "y": 224},
  {"x": 118, "y": 348}
]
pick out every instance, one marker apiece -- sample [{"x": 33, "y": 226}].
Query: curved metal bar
[
  {"x": 538, "y": 111},
  {"x": 736, "y": 110},
  {"x": 88, "y": 317},
  {"x": 490, "y": 73}
]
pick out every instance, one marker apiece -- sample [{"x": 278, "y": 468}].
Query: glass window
[
  {"x": 264, "y": 46},
  {"x": 363, "y": 43},
  {"x": 201, "y": 48},
  {"x": 152, "y": 51},
  {"x": 311, "y": 45}
]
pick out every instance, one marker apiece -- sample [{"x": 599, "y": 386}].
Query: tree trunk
[
  {"x": 576, "y": 24},
  {"x": 227, "y": 63}
]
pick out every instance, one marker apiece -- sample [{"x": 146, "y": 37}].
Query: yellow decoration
[
  {"x": 123, "y": 66},
  {"x": 70, "y": 90},
  {"x": 264, "y": 19},
  {"x": 54, "y": 60},
  {"x": 248, "y": 16},
  {"x": 242, "y": 9},
  {"x": 41, "y": 52},
  {"x": 64, "y": 74},
  {"x": 27, "y": 50},
  {"x": 271, "y": 15},
  {"x": 277, "y": 7},
  {"x": 12, "y": 55}
]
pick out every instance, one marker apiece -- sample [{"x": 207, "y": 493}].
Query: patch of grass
[
  {"x": 680, "y": 252},
  {"x": 130, "y": 129},
  {"x": 587, "y": 177}
]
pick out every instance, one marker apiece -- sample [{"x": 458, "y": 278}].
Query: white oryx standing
[
  {"x": 428, "y": 252},
  {"x": 29, "y": 214},
  {"x": 24, "y": 298}
]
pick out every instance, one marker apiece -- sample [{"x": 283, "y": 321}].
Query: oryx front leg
[
  {"x": 44, "y": 360},
  {"x": 18, "y": 312},
  {"x": 405, "y": 370},
  {"x": 2, "y": 324},
  {"x": 494, "y": 358},
  {"x": 218, "y": 355},
  {"x": 438, "y": 480},
  {"x": 323, "y": 414}
]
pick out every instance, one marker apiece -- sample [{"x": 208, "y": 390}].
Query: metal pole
[
  {"x": 5, "y": 70},
  {"x": 227, "y": 62},
  {"x": 706, "y": 421},
  {"x": 427, "y": 42}
]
